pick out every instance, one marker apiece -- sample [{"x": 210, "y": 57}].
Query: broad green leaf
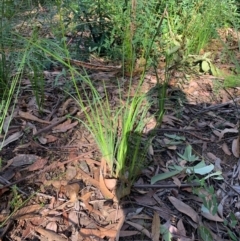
[
  {"x": 187, "y": 155},
  {"x": 218, "y": 174},
  {"x": 200, "y": 165},
  {"x": 188, "y": 152},
  {"x": 215, "y": 71},
  {"x": 205, "y": 233},
  {"x": 209, "y": 214},
  {"x": 173, "y": 50},
  {"x": 167, "y": 236},
  {"x": 205, "y": 66},
  {"x": 201, "y": 170},
  {"x": 163, "y": 176},
  {"x": 219, "y": 177},
  {"x": 232, "y": 235},
  {"x": 175, "y": 137},
  {"x": 176, "y": 167}
]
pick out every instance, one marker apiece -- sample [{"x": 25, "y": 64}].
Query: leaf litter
[{"x": 63, "y": 198}]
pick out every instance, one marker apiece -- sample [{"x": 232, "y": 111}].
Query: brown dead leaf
[
  {"x": 150, "y": 150},
  {"x": 31, "y": 117},
  {"x": 50, "y": 235},
  {"x": 72, "y": 191},
  {"x": 3, "y": 216},
  {"x": 51, "y": 138},
  {"x": 211, "y": 156},
  {"x": 126, "y": 233},
  {"x": 211, "y": 217},
  {"x": 27, "y": 212},
  {"x": 140, "y": 228},
  {"x": 6, "y": 123},
  {"x": 145, "y": 200},
  {"x": 155, "y": 227},
  {"x": 38, "y": 164},
  {"x": 62, "y": 110},
  {"x": 86, "y": 178},
  {"x": 120, "y": 223},
  {"x": 75, "y": 235},
  {"x": 218, "y": 133},
  {"x": 86, "y": 199},
  {"x": 65, "y": 218},
  {"x": 52, "y": 226},
  {"x": 65, "y": 126},
  {"x": 91, "y": 161},
  {"x": 71, "y": 173},
  {"x": 226, "y": 149},
  {"x": 181, "y": 228},
  {"x": 73, "y": 218},
  {"x": 167, "y": 119},
  {"x": 111, "y": 184},
  {"x": 104, "y": 190},
  {"x": 114, "y": 214},
  {"x": 56, "y": 183},
  {"x": 41, "y": 139},
  {"x": 11, "y": 139},
  {"x": 87, "y": 222},
  {"x": 37, "y": 221},
  {"x": 23, "y": 146},
  {"x": 3, "y": 190},
  {"x": 27, "y": 231},
  {"x": 150, "y": 125},
  {"x": 98, "y": 233},
  {"x": 173, "y": 230},
  {"x": 23, "y": 159},
  {"x": 184, "y": 208},
  {"x": 96, "y": 173},
  {"x": 227, "y": 130},
  {"x": 177, "y": 181},
  {"x": 217, "y": 165},
  {"x": 235, "y": 147}
]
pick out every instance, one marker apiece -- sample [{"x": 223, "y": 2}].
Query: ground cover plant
[{"x": 119, "y": 120}]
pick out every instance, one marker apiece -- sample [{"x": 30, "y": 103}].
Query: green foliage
[
  {"x": 191, "y": 24},
  {"x": 201, "y": 168},
  {"x": 187, "y": 155},
  {"x": 232, "y": 81},
  {"x": 12, "y": 55},
  {"x": 166, "y": 234},
  {"x": 115, "y": 128},
  {"x": 16, "y": 200},
  {"x": 205, "y": 233}
]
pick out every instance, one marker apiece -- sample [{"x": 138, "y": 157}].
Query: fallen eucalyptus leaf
[
  {"x": 163, "y": 176},
  {"x": 207, "y": 214},
  {"x": 184, "y": 208},
  {"x": 235, "y": 147},
  {"x": 11, "y": 138},
  {"x": 155, "y": 227}
]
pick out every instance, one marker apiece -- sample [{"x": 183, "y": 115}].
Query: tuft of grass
[
  {"x": 112, "y": 128},
  {"x": 232, "y": 81}
]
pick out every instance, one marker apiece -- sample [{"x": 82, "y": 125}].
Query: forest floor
[{"x": 50, "y": 163}]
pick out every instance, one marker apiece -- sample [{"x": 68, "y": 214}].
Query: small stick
[
  {"x": 213, "y": 107},
  {"x": 56, "y": 123},
  {"x": 166, "y": 185}
]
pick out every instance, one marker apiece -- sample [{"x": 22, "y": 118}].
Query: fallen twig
[{"x": 166, "y": 185}]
